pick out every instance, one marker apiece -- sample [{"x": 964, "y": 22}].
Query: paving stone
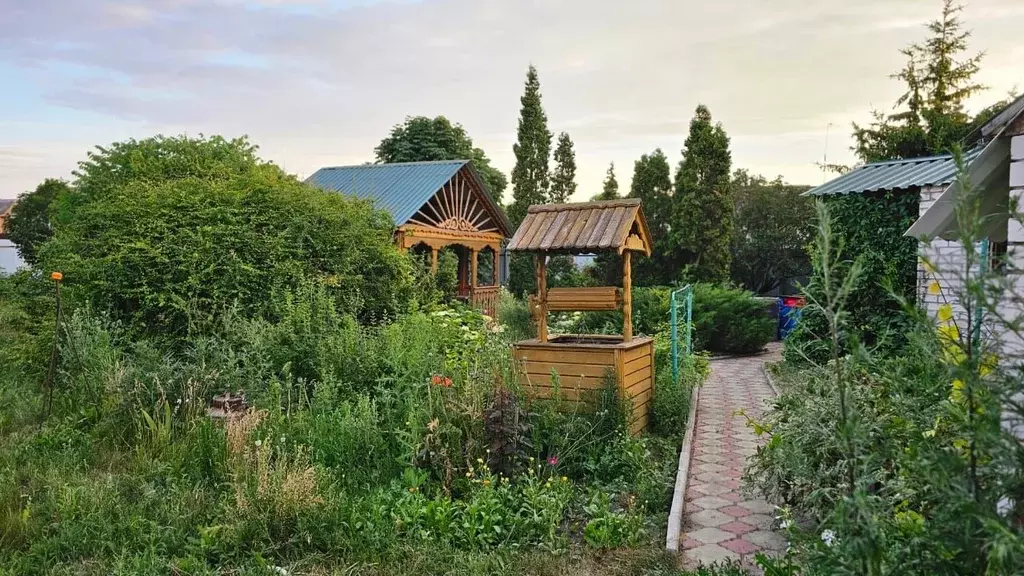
[
  {"x": 740, "y": 546},
  {"x": 703, "y": 467},
  {"x": 766, "y": 539},
  {"x": 758, "y": 506},
  {"x": 711, "y": 489},
  {"x": 710, "y": 502},
  {"x": 711, "y": 458},
  {"x": 708, "y": 518},
  {"x": 710, "y": 553},
  {"x": 738, "y": 528},
  {"x": 734, "y": 511},
  {"x": 761, "y": 521},
  {"x": 710, "y": 535}
]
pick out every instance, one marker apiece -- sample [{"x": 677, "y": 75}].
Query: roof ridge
[
  {"x": 381, "y": 165},
  {"x": 623, "y": 202}
]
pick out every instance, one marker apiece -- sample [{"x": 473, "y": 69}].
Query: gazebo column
[
  {"x": 433, "y": 260},
  {"x": 494, "y": 268},
  {"x": 472, "y": 270},
  {"x": 627, "y": 296},
  {"x": 542, "y": 298}
]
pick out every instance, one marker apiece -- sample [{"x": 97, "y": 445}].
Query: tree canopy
[
  {"x": 532, "y": 150},
  {"x": 28, "y": 226},
  {"x": 938, "y": 79},
  {"x": 610, "y": 188},
  {"x": 703, "y": 206},
  {"x": 563, "y": 178},
  {"x": 420, "y": 139},
  {"x": 774, "y": 226},
  {"x": 652, "y": 184}
]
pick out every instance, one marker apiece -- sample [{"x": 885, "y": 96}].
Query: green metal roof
[
  {"x": 894, "y": 175},
  {"x": 401, "y": 188}
]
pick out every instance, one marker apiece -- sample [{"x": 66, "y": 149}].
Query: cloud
[{"x": 321, "y": 81}]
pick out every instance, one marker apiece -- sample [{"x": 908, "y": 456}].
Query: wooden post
[
  {"x": 627, "y": 297},
  {"x": 433, "y": 260},
  {"x": 542, "y": 298},
  {"x": 472, "y": 270}
]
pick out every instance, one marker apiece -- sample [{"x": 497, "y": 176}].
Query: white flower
[
  {"x": 829, "y": 537},
  {"x": 785, "y": 524},
  {"x": 282, "y": 440},
  {"x": 259, "y": 443}
]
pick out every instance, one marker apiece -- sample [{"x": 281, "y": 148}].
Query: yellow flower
[
  {"x": 564, "y": 479},
  {"x": 928, "y": 267},
  {"x": 934, "y": 288},
  {"x": 412, "y": 490},
  {"x": 945, "y": 312},
  {"x": 957, "y": 395},
  {"x": 949, "y": 333},
  {"x": 989, "y": 362}
]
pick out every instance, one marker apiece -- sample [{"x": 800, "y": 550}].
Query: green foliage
[
  {"x": 902, "y": 463},
  {"x": 610, "y": 187},
  {"x": 671, "y": 404},
  {"x": 729, "y": 320},
  {"x": 938, "y": 82},
  {"x": 702, "y": 218},
  {"x": 169, "y": 257},
  {"x": 652, "y": 184},
  {"x": 420, "y": 139},
  {"x": 28, "y": 226},
  {"x": 774, "y": 226},
  {"x": 532, "y": 150},
  {"x": 563, "y": 178},
  {"x": 869, "y": 227}
]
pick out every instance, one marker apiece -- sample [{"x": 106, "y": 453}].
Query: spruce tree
[
  {"x": 529, "y": 176},
  {"x": 652, "y": 184},
  {"x": 610, "y": 189},
  {"x": 532, "y": 149},
  {"x": 703, "y": 205},
  {"x": 563, "y": 179}
]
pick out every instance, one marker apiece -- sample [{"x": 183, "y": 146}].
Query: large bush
[
  {"x": 168, "y": 255},
  {"x": 729, "y": 320}
]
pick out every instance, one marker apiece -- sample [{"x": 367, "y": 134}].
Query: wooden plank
[
  {"x": 532, "y": 224},
  {"x": 582, "y": 307},
  {"x": 627, "y": 297},
  {"x": 552, "y": 231},
  {"x": 568, "y": 356},
  {"x": 637, "y": 364},
  {"x": 638, "y": 386},
  {"x": 565, "y": 392},
  {"x": 564, "y": 227},
  {"x": 631, "y": 379},
  {"x": 602, "y": 223},
  {"x": 642, "y": 396},
  {"x": 572, "y": 239},
  {"x": 566, "y": 369},
  {"x": 639, "y": 351},
  {"x": 599, "y": 293},
  {"x": 542, "y": 378},
  {"x": 612, "y": 231}
]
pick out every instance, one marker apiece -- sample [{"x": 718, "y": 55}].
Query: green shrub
[
  {"x": 670, "y": 407},
  {"x": 729, "y": 320}
]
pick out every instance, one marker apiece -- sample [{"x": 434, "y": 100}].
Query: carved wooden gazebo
[
  {"x": 583, "y": 361},
  {"x": 435, "y": 205}
]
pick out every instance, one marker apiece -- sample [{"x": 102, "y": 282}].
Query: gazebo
[
  {"x": 582, "y": 362},
  {"x": 434, "y": 205}
]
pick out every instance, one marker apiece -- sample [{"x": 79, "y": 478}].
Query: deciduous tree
[
  {"x": 421, "y": 139},
  {"x": 28, "y": 226}
]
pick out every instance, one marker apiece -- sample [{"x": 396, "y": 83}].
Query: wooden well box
[{"x": 581, "y": 363}]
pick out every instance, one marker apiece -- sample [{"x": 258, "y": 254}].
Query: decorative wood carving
[{"x": 455, "y": 207}]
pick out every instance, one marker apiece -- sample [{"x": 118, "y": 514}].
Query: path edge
[
  {"x": 675, "y": 514},
  {"x": 768, "y": 378}
]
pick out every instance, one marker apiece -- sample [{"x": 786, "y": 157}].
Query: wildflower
[
  {"x": 928, "y": 266},
  {"x": 564, "y": 479},
  {"x": 412, "y": 489},
  {"x": 281, "y": 440},
  {"x": 945, "y": 312},
  {"x": 934, "y": 288},
  {"x": 829, "y": 538},
  {"x": 553, "y": 461},
  {"x": 786, "y": 524},
  {"x": 56, "y": 276},
  {"x": 259, "y": 443},
  {"x": 487, "y": 482}
]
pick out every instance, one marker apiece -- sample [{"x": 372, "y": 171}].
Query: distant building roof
[
  {"x": 584, "y": 228},
  {"x": 400, "y": 188},
  {"x": 6, "y": 204},
  {"x": 894, "y": 175}
]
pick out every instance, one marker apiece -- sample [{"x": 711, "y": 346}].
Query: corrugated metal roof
[
  {"x": 400, "y": 188},
  {"x": 581, "y": 228},
  {"x": 894, "y": 175}
]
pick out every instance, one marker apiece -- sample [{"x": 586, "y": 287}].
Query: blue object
[{"x": 789, "y": 314}]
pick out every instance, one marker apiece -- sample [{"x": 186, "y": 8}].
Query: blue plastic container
[{"x": 789, "y": 314}]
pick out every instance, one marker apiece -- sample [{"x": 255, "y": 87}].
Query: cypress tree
[
  {"x": 529, "y": 176},
  {"x": 532, "y": 149},
  {"x": 563, "y": 179},
  {"x": 610, "y": 189},
  {"x": 703, "y": 205},
  {"x": 652, "y": 184}
]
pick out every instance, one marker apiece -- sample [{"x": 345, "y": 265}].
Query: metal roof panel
[{"x": 894, "y": 175}]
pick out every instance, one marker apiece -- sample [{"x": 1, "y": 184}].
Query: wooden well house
[
  {"x": 583, "y": 361},
  {"x": 435, "y": 205}
]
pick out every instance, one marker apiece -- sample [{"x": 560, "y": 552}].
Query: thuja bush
[{"x": 908, "y": 463}]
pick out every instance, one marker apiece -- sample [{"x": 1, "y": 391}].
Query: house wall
[
  {"x": 948, "y": 258},
  {"x": 1013, "y": 347}
]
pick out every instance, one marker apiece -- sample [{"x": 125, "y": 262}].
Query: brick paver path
[{"x": 719, "y": 520}]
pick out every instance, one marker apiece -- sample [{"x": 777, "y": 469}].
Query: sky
[{"x": 319, "y": 82}]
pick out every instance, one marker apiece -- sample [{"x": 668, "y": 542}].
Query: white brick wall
[{"x": 948, "y": 258}]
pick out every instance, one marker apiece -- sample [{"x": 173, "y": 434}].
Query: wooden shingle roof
[{"x": 584, "y": 228}]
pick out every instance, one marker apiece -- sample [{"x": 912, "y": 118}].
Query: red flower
[
  {"x": 438, "y": 380},
  {"x": 552, "y": 460},
  {"x": 447, "y": 382}
]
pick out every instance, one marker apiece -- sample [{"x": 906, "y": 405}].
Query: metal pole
[
  {"x": 689, "y": 320},
  {"x": 675, "y": 338}
]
